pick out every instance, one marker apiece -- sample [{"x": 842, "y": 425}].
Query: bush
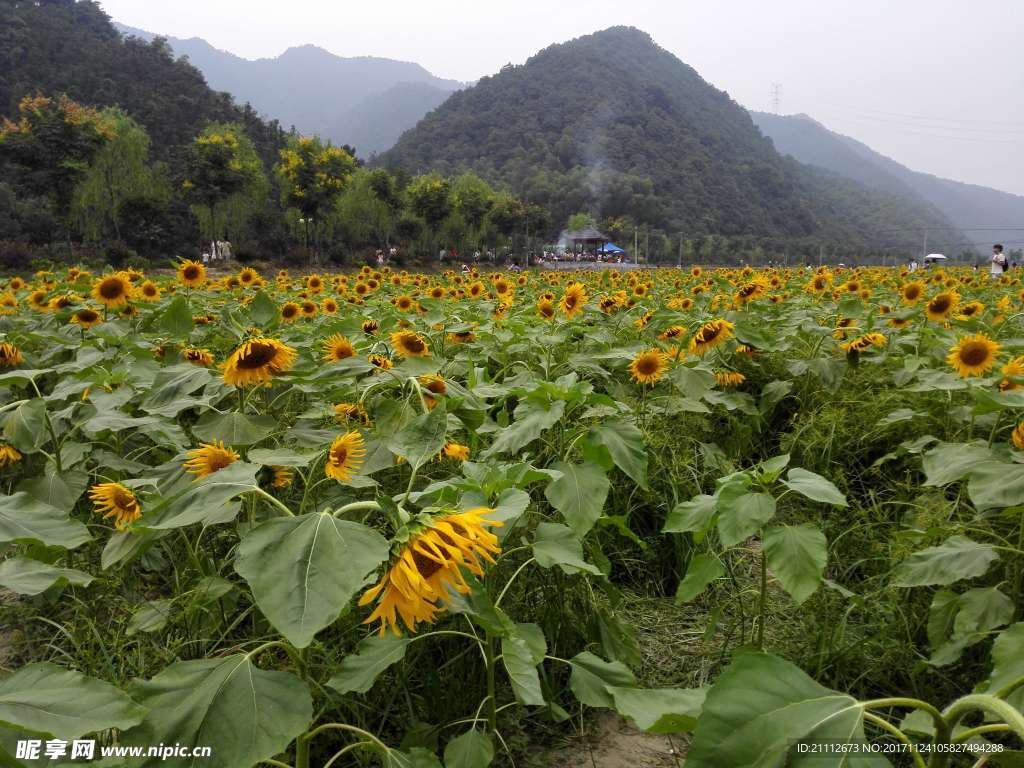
[{"x": 15, "y": 255}]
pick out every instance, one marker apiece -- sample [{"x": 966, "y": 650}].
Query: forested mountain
[
  {"x": 968, "y": 206},
  {"x": 613, "y": 124},
  {"x": 364, "y": 101}
]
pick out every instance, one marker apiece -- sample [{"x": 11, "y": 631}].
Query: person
[
  {"x": 913, "y": 264},
  {"x": 998, "y": 262}
]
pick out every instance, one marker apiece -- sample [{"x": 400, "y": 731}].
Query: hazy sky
[{"x": 935, "y": 84}]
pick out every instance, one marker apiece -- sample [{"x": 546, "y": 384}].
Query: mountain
[
  {"x": 63, "y": 46},
  {"x": 979, "y": 211},
  {"x": 614, "y": 124},
  {"x": 363, "y": 101}
]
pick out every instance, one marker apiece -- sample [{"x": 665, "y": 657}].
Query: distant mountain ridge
[
  {"x": 351, "y": 100},
  {"x": 976, "y": 210}
]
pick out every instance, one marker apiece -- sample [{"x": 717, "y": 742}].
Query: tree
[
  {"x": 118, "y": 173},
  {"x": 473, "y": 199},
  {"x": 579, "y": 221},
  {"x": 313, "y": 176},
  {"x": 222, "y": 169},
  {"x": 430, "y": 198},
  {"x": 51, "y": 146}
]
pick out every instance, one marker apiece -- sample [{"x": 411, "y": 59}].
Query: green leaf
[
  {"x": 472, "y": 749},
  {"x": 262, "y": 309},
  {"x": 531, "y": 420},
  {"x": 555, "y": 544},
  {"x": 281, "y": 457},
  {"x": 358, "y": 671},
  {"x": 233, "y": 428},
  {"x": 26, "y": 576},
  {"x": 948, "y": 462},
  {"x": 244, "y": 713},
  {"x": 522, "y": 648},
  {"x": 981, "y": 610},
  {"x": 761, "y": 706},
  {"x": 660, "y": 710},
  {"x": 25, "y": 426},
  {"x": 47, "y": 699},
  {"x": 694, "y": 515},
  {"x": 1008, "y": 663},
  {"x": 703, "y": 570},
  {"x": 956, "y": 558},
  {"x": 797, "y": 555},
  {"x": 26, "y": 520},
  {"x": 996, "y": 484},
  {"x": 773, "y": 393},
  {"x": 422, "y": 439},
  {"x": 625, "y": 443},
  {"x": 592, "y": 676},
  {"x": 176, "y": 320},
  {"x": 172, "y": 388},
  {"x": 417, "y": 757},
  {"x": 579, "y": 494},
  {"x": 304, "y": 570},
  {"x": 149, "y": 617},
  {"x": 814, "y": 487},
  {"x": 741, "y": 516},
  {"x": 207, "y": 501},
  {"x": 59, "y": 490},
  {"x": 693, "y": 383}
]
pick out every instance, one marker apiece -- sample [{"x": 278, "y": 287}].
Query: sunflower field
[{"x": 426, "y": 520}]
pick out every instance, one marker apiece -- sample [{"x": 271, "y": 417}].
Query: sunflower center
[
  {"x": 425, "y": 565},
  {"x": 647, "y": 365},
  {"x": 191, "y": 273},
  {"x": 940, "y": 304},
  {"x": 111, "y": 289},
  {"x": 413, "y": 344},
  {"x": 256, "y": 355},
  {"x": 973, "y": 353}
]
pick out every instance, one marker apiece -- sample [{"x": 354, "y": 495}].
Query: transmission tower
[{"x": 776, "y": 96}]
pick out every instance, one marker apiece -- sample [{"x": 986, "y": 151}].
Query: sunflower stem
[
  {"x": 492, "y": 714},
  {"x": 276, "y": 502}
]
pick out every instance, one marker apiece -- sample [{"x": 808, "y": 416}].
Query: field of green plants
[{"x": 408, "y": 520}]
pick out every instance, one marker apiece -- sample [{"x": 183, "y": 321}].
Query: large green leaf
[
  {"x": 814, "y": 487},
  {"x": 304, "y": 570},
  {"x": 244, "y": 713},
  {"x": 47, "y": 699},
  {"x": 531, "y": 420},
  {"x": 797, "y": 555},
  {"x": 358, "y": 671},
  {"x": 172, "y": 388},
  {"x": 472, "y": 749},
  {"x": 556, "y": 544},
  {"x": 233, "y": 428},
  {"x": 741, "y": 516},
  {"x": 660, "y": 710},
  {"x": 522, "y": 648},
  {"x": 702, "y": 570},
  {"x": 694, "y": 383},
  {"x": 176, "y": 319},
  {"x": 25, "y": 426},
  {"x": 262, "y": 309},
  {"x": 26, "y": 576},
  {"x": 996, "y": 484},
  {"x": 1008, "y": 663},
  {"x": 761, "y": 706},
  {"x": 592, "y": 676},
  {"x": 694, "y": 515},
  {"x": 422, "y": 439},
  {"x": 207, "y": 501},
  {"x": 956, "y": 558},
  {"x": 60, "y": 490},
  {"x": 25, "y": 520},
  {"x": 948, "y": 462},
  {"x": 579, "y": 494},
  {"x": 625, "y": 443}
]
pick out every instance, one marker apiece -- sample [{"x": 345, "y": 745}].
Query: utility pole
[
  {"x": 636, "y": 248},
  {"x": 776, "y": 96}
]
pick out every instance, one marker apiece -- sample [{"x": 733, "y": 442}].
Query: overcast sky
[{"x": 935, "y": 84}]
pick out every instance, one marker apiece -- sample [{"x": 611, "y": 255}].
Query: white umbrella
[{"x": 935, "y": 256}]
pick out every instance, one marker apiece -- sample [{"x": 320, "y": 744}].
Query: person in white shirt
[{"x": 998, "y": 262}]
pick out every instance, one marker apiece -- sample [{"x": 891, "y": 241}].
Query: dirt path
[{"x": 618, "y": 744}]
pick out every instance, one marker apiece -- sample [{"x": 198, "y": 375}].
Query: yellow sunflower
[
  {"x": 435, "y": 389},
  {"x": 573, "y": 299},
  {"x": 116, "y": 501},
  {"x": 9, "y": 455},
  {"x": 345, "y": 456},
  {"x": 191, "y": 274},
  {"x": 456, "y": 451},
  {"x": 148, "y": 292},
  {"x": 1014, "y": 369},
  {"x": 973, "y": 355},
  {"x": 281, "y": 477},
  {"x": 290, "y": 312},
  {"x": 248, "y": 276},
  {"x": 940, "y": 305},
  {"x": 337, "y": 347},
  {"x": 418, "y": 585},
  {"x": 209, "y": 458},
  {"x": 409, "y": 344},
  {"x": 1017, "y": 436},
  {"x": 370, "y": 327},
  {"x": 710, "y": 335},
  {"x": 257, "y": 361},
  {"x": 352, "y": 412},
  {"x": 648, "y": 366},
  {"x": 112, "y": 290},
  {"x": 198, "y": 356},
  {"x": 10, "y": 355},
  {"x": 729, "y": 378}
]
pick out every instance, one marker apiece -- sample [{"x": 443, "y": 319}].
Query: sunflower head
[
  {"x": 113, "y": 500},
  {"x": 345, "y": 456},
  {"x": 257, "y": 361},
  {"x": 941, "y": 305},
  {"x": 648, "y": 366},
  {"x": 337, "y": 347},
  {"x": 573, "y": 299},
  {"x": 8, "y": 455},
  {"x": 456, "y": 451},
  {"x": 10, "y": 355},
  {"x": 710, "y": 335},
  {"x": 191, "y": 274},
  {"x": 973, "y": 355},
  {"x": 112, "y": 290},
  {"x": 409, "y": 344},
  {"x": 209, "y": 458},
  {"x": 198, "y": 356}
]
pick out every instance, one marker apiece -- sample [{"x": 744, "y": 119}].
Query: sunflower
[
  {"x": 456, "y": 451},
  {"x": 672, "y": 332},
  {"x": 573, "y": 299},
  {"x": 290, "y": 312},
  {"x": 345, "y": 456},
  {"x": 911, "y": 293},
  {"x": 710, "y": 335},
  {"x": 1017, "y": 436},
  {"x": 418, "y": 585},
  {"x": 971, "y": 309},
  {"x": 352, "y": 412},
  {"x": 729, "y": 378},
  {"x": 648, "y": 366},
  {"x": 9, "y": 455},
  {"x": 113, "y": 290},
  {"x": 941, "y": 304},
  {"x": 410, "y": 344},
  {"x": 248, "y": 276},
  {"x": 314, "y": 284},
  {"x": 209, "y": 458},
  {"x": 116, "y": 501},
  {"x": 39, "y": 301},
  {"x": 546, "y": 309},
  {"x": 148, "y": 292},
  {"x": 309, "y": 309},
  {"x": 10, "y": 355},
  {"x": 370, "y": 327},
  {"x": 1013, "y": 369},
  {"x": 329, "y": 306},
  {"x": 973, "y": 355},
  {"x": 256, "y": 361},
  {"x": 191, "y": 274},
  {"x": 382, "y": 362},
  {"x": 404, "y": 303},
  {"x": 461, "y": 337},
  {"x": 281, "y": 477},
  {"x": 198, "y": 356},
  {"x": 337, "y": 347},
  {"x": 435, "y": 388}
]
